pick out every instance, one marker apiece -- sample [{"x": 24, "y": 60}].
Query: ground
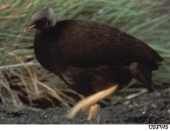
[{"x": 148, "y": 108}]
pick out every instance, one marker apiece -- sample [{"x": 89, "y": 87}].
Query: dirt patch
[{"x": 149, "y": 108}]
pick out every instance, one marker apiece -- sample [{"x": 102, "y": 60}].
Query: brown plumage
[{"x": 91, "y": 56}]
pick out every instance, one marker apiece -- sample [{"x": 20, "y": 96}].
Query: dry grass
[{"x": 29, "y": 87}]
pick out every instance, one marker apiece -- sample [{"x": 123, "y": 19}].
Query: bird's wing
[{"x": 85, "y": 43}]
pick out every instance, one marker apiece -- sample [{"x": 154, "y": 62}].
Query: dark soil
[{"x": 148, "y": 108}]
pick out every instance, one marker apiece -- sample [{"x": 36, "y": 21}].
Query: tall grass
[{"x": 147, "y": 20}]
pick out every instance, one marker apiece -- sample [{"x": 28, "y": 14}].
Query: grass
[{"x": 144, "y": 19}]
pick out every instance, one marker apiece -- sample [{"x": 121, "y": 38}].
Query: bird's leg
[
  {"x": 93, "y": 112},
  {"x": 89, "y": 101},
  {"x": 136, "y": 72}
]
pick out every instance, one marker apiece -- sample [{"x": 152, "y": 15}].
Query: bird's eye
[{"x": 43, "y": 20}]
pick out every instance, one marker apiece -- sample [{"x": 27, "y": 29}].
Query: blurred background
[{"x": 23, "y": 81}]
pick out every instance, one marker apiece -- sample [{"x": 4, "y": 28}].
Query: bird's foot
[{"x": 89, "y": 101}]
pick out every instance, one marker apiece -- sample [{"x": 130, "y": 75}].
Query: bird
[{"x": 92, "y": 58}]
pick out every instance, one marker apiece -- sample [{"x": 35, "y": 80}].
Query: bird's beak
[{"x": 29, "y": 27}]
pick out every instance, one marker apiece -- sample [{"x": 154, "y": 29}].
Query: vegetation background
[{"x": 23, "y": 82}]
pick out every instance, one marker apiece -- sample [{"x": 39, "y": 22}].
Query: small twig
[
  {"x": 136, "y": 94},
  {"x": 12, "y": 16},
  {"x": 35, "y": 85},
  {"x": 17, "y": 65}
]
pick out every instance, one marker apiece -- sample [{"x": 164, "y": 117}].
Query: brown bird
[{"x": 90, "y": 56}]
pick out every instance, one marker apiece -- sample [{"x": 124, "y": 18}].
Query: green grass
[{"x": 142, "y": 19}]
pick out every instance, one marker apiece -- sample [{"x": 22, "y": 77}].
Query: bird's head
[{"x": 42, "y": 20}]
